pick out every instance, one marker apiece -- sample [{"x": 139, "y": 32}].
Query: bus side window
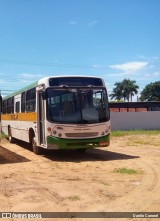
[
  {"x": 10, "y": 105},
  {"x": 31, "y": 100},
  {"x": 17, "y": 107}
]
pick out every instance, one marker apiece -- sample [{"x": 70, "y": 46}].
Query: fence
[{"x": 135, "y": 116}]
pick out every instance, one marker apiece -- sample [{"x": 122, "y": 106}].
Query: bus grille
[{"x": 91, "y": 134}]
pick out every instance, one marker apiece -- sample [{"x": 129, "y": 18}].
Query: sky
[{"x": 112, "y": 39}]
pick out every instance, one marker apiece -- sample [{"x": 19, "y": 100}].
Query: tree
[
  {"x": 151, "y": 92},
  {"x": 129, "y": 89},
  {"x": 117, "y": 92},
  {"x": 125, "y": 89}
]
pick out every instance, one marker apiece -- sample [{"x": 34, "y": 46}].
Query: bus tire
[
  {"x": 35, "y": 148},
  {"x": 82, "y": 150},
  {"x": 10, "y": 138}
]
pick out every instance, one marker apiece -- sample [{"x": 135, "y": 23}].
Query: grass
[
  {"x": 143, "y": 141},
  {"x": 120, "y": 133},
  {"x": 127, "y": 171},
  {"x": 73, "y": 198},
  {"x": 2, "y": 135},
  {"x": 139, "y": 137}
]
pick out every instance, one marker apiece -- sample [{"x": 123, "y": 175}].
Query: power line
[{"x": 39, "y": 63}]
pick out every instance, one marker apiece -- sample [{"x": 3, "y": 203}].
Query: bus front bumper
[{"x": 61, "y": 143}]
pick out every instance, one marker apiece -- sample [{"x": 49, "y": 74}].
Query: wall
[{"x": 135, "y": 120}]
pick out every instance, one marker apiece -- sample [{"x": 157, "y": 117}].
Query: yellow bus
[{"x": 59, "y": 112}]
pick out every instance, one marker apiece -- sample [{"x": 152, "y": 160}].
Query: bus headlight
[
  {"x": 49, "y": 129},
  {"x": 59, "y": 134},
  {"x": 54, "y": 132}
]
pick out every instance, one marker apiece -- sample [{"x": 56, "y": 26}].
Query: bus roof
[
  {"x": 43, "y": 81},
  {"x": 34, "y": 84}
]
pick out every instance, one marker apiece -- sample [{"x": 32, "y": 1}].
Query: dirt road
[{"x": 70, "y": 181}]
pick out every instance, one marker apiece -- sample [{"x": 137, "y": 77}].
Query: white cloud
[
  {"x": 72, "y": 22},
  {"x": 117, "y": 75},
  {"x": 152, "y": 75},
  {"x": 2, "y": 81},
  {"x": 98, "y": 66},
  {"x": 130, "y": 66},
  {"x": 151, "y": 59},
  {"x": 3, "y": 76},
  {"x": 147, "y": 75},
  {"x": 28, "y": 75},
  {"x": 156, "y": 74},
  {"x": 142, "y": 57},
  {"x": 90, "y": 24},
  {"x": 26, "y": 81},
  {"x": 93, "y": 23}
]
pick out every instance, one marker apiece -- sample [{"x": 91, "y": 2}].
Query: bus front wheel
[
  {"x": 35, "y": 148},
  {"x": 82, "y": 150}
]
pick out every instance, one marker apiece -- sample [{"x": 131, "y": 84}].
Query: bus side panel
[
  {"x": 5, "y": 127},
  {"x": 25, "y": 127},
  {"x": 19, "y": 128},
  {"x": 16, "y": 129}
]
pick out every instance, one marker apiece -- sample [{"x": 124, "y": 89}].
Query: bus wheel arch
[
  {"x": 33, "y": 142},
  {"x": 11, "y": 139}
]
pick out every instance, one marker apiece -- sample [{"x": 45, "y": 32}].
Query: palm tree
[
  {"x": 117, "y": 92},
  {"x": 129, "y": 89},
  {"x": 125, "y": 89}
]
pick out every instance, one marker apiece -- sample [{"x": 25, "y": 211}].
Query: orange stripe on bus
[{"x": 32, "y": 116}]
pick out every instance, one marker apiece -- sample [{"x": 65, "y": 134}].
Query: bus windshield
[{"x": 77, "y": 105}]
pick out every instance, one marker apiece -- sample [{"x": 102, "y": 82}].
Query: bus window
[
  {"x": 31, "y": 100},
  {"x": 17, "y": 107},
  {"x": 10, "y": 105},
  {"x": 67, "y": 97}
]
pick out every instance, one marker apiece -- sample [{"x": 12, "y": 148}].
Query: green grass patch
[
  {"x": 121, "y": 133},
  {"x": 127, "y": 171},
  {"x": 2, "y": 135},
  {"x": 143, "y": 141},
  {"x": 74, "y": 198}
]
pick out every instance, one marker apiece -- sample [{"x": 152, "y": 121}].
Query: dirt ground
[{"x": 69, "y": 181}]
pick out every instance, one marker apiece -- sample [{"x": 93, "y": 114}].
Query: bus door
[{"x": 41, "y": 119}]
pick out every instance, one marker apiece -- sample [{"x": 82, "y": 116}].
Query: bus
[{"x": 59, "y": 112}]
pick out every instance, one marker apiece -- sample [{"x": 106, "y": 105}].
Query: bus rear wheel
[
  {"x": 11, "y": 139},
  {"x": 35, "y": 148}
]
